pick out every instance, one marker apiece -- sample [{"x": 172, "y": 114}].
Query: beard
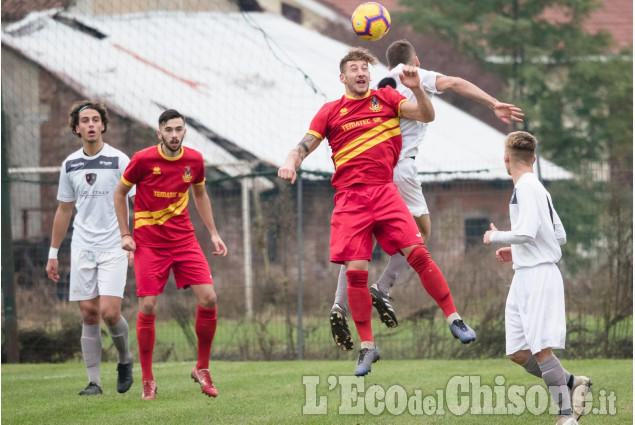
[{"x": 169, "y": 147}]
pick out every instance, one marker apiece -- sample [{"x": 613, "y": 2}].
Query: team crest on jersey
[
  {"x": 375, "y": 106},
  {"x": 91, "y": 178},
  {"x": 343, "y": 112},
  {"x": 156, "y": 170},
  {"x": 187, "y": 177}
]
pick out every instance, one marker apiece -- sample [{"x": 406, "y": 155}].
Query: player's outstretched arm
[
  {"x": 121, "y": 209},
  {"x": 422, "y": 110},
  {"x": 204, "y": 208},
  {"x": 60, "y": 226},
  {"x": 506, "y": 112},
  {"x": 308, "y": 144}
]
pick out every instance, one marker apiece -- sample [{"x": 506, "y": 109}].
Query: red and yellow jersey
[
  {"x": 364, "y": 136},
  {"x": 161, "y": 218}
]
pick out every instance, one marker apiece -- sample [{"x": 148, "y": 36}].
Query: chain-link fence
[
  {"x": 262, "y": 296},
  {"x": 277, "y": 273}
]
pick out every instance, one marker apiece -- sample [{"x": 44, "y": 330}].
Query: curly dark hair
[{"x": 79, "y": 106}]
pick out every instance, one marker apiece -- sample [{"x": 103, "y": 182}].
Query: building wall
[
  {"x": 36, "y": 106},
  {"x": 23, "y": 114}
]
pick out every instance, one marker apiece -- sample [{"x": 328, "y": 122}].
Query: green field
[{"x": 274, "y": 393}]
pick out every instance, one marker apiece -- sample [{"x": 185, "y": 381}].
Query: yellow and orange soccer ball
[{"x": 371, "y": 21}]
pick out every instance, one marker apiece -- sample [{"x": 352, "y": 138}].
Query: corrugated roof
[{"x": 250, "y": 95}]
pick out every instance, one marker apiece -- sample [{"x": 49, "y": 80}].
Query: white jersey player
[
  {"x": 535, "y": 321},
  {"x": 88, "y": 179},
  {"x": 398, "y": 54}
]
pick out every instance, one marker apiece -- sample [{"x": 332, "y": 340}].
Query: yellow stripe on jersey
[
  {"x": 147, "y": 218},
  {"x": 371, "y": 138},
  {"x": 316, "y": 134},
  {"x": 126, "y": 182},
  {"x": 400, "y": 104}
]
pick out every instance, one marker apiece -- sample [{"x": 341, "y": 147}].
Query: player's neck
[
  {"x": 168, "y": 153},
  {"x": 93, "y": 148},
  {"x": 352, "y": 95},
  {"x": 518, "y": 172}
]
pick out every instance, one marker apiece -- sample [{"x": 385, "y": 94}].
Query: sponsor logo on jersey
[
  {"x": 375, "y": 106},
  {"x": 91, "y": 178},
  {"x": 343, "y": 112},
  {"x": 100, "y": 163},
  {"x": 187, "y": 177},
  {"x": 156, "y": 170}
]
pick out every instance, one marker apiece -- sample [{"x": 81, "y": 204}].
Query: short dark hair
[
  {"x": 79, "y": 106},
  {"x": 357, "y": 54},
  {"x": 168, "y": 115},
  {"x": 401, "y": 51},
  {"x": 521, "y": 146},
  {"x": 387, "y": 81}
]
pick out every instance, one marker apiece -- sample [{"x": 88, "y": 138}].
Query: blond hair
[
  {"x": 521, "y": 146},
  {"x": 357, "y": 54}
]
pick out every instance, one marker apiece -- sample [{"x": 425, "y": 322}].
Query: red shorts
[
  {"x": 152, "y": 267},
  {"x": 363, "y": 211}
]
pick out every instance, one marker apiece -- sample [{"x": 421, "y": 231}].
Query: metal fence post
[
  {"x": 8, "y": 282},
  {"x": 300, "y": 239}
]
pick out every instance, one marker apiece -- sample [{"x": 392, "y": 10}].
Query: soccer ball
[{"x": 371, "y": 21}]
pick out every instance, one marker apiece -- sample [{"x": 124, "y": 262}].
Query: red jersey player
[
  {"x": 164, "y": 239},
  {"x": 363, "y": 132}
]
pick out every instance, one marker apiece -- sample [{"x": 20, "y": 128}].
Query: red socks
[
  {"x": 145, "y": 338},
  {"x": 205, "y": 329},
  {"x": 431, "y": 278},
  {"x": 360, "y": 303}
]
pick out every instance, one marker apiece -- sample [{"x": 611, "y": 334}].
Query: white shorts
[
  {"x": 405, "y": 177},
  {"x": 97, "y": 273},
  {"x": 534, "y": 312}
]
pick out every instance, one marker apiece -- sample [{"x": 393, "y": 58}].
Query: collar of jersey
[
  {"x": 358, "y": 98},
  {"x": 167, "y": 157}
]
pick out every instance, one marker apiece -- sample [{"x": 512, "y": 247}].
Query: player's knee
[
  {"x": 147, "y": 307},
  {"x": 207, "y": 300},
  {"x": 90, "y": 316},
  {"x": 518, "y": 357},
  {"x": 111, "y": 317}
]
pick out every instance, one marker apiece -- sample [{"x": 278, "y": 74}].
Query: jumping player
[
  {"x": 88, "y": 179},
  {"x": 363, "y": 132},
  {"x": 164, "y": 239},
  {"x": 398, "y": 54},
  {"x": 535, "y": 321}
]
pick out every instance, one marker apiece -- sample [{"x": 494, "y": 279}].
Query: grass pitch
[{"x": 274, "y": 393}]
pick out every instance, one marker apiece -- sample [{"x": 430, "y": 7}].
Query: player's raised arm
[
  {"x": 506, "y": 112},
  {"x": 295, "y": 157},
  {"x": 422, "y": 110}
]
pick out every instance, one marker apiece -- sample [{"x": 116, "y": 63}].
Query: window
[
  {"x": 474, "y": 229},
  {"x": 292, "y": 13}
]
